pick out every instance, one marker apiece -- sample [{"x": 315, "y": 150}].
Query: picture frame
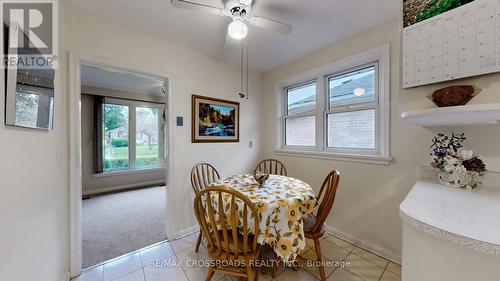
[{"x": 214, "y": 120}]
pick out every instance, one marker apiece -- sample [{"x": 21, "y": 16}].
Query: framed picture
[{"x": 215, "y": 120}]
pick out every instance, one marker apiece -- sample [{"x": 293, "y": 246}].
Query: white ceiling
[
  {"x": 317, "y": 23},
  {"x": 96, "y": 76}
]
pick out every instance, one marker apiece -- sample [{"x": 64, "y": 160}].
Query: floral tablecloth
[{"x": 282, "y": 202}]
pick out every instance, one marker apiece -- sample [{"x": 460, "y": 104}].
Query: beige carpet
[{"x": 116, "y": 224}]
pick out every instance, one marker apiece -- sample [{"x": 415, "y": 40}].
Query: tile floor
[{"x": 176, "y": 261}]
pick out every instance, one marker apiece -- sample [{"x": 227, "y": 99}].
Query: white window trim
[
  {"x": 132, "y": 169},
  {"x": 382, "y": 155}
]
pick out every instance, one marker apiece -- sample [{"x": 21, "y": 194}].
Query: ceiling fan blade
[
  {"x": 246, "y": 2},
  {"x": 271, "y": 25},
  {"x": 194, "y": 6}
]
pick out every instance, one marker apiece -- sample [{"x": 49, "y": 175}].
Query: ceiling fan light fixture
[{"x": 237, "y": 29}]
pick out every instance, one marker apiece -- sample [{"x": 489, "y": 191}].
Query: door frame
[{"x": 76, "y": 60}]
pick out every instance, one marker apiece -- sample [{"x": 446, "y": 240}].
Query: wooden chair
[
  {"x": 202, "y": 175},
  {"x": 226, "y": 246},
  {"x": 272, "y": 166},
  {"x": 313, "y": 224}
]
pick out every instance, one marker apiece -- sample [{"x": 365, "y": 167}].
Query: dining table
[{"x": 282, "y": 202}]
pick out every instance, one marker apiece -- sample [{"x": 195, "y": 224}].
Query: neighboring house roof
[
  {"x": 117, "y": 129},
  {"x": 341, "y": 93}
]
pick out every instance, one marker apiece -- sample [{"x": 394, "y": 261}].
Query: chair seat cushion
[{"x": 309, "y": 223}]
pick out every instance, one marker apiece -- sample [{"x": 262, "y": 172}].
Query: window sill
[
  {"x": 128, "y": 172},
  {"x": 370, "y": 159}
]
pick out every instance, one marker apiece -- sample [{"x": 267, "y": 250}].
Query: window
[
  {"x": 300, "y": 119},
  {"x": 132, "y": 135},
  {"x": 352, "y": 109},
  {"x": 342, "y": 112}
]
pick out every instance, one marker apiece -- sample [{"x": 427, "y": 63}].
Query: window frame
[
  {"x": 132, "y": 135},
  {"x": 287, "y": 116},
  {"x": 379, "y": 56}
]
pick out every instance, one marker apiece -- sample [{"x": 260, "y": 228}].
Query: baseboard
[
  {"x": 121, "y": 187},
  {"x": 394, "y": 257},
  {"x": 365, "y": 245},
  {"x": 185, "y": 232}
]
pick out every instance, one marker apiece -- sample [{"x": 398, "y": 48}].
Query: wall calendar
[{"x": 445, "y": 40}]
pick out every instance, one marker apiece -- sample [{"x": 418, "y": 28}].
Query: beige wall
[
  {"x": 34, "y": 225},
  {"x": 100, "y": 183},
  {"x": 368, "y": 198}
]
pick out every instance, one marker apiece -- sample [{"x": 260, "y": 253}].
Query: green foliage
[
  {"x": 440, "y": 7},
  {"x": 147, "y": 162},
  {"x": 115, "y": 116},
  {"x": 119, "y": 143},
  {"x": 121, "y": 163},
  {"x": 113, "y": 164}
]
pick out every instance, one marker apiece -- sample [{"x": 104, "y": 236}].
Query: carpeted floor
[{"x": 120, "y": 223}]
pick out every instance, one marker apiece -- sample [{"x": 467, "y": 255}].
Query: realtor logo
[{"x": 30, "y": 28}]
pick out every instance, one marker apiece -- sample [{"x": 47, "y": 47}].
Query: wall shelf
[{"x": 474, "y": 114}]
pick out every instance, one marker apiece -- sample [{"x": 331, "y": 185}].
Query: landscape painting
[
  {"x": 415, "y": 11},
  {"x": 214, "y": 120}
]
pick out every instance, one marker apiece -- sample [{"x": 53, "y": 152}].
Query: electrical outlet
[{"x": 250, "y": 144}]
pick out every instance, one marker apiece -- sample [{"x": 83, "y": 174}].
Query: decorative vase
[
  {"x": 261, "y": 177},
  {"x": 467, "y": 180}
]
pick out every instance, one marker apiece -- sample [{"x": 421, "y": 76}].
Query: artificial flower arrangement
[{"x": 455, "y": 166}]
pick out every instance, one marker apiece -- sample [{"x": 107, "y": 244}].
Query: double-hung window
[
  {"x": 342, "y": 111},
  {"x": 132, "y": 135},
  {"x": 300, "y": 116},
  {"x": 352, "y": 109}
]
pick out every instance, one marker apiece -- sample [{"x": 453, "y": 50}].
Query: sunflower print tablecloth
[{"x": 282, "y": 202}]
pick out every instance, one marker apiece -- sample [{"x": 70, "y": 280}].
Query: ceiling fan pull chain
[
  {"x": 241, "y": 72},
  {"x": 246, "y": 44}
]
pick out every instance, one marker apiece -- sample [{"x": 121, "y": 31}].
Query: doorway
[{"x": 118, "y": 160}]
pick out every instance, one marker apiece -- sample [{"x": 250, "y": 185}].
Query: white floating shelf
[{"x": 474, "y": 114}]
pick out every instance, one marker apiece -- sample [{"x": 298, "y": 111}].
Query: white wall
[
  {"x": 34, "y": 225},
  {"x": 34, "y": 221},
  {"x": 367, "y": 203}
]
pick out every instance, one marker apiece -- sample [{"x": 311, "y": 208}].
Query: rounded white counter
[{"x": 450, "y": 234}]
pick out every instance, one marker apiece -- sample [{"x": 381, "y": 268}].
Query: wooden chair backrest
[
  {"x": 221, "y": 225},
  {"x": 203, "y": 175},
  {"x": 272, "y": 166},
  {"x": 325, "y": 198}
]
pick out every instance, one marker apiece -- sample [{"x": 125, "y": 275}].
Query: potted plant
[{"x": 455, "y": 166}]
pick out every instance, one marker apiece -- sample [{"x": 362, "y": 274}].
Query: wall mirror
[
  {"x": 30, "y": 99},
  {"x": 29, "y": 92}
]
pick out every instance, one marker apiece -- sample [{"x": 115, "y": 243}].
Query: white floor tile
[
  {"x": 363, "y": 268},
  {"x": 389, "y": 276},
  {"x": 343, "y": 275},
  {"x": 183, "y": 244},
  {"x": 339, "y": 242},
  {"x": 94, "y": 274},
  {"x": 164, "y": 272},
  {"x": 120, "y": 267},
  {"x": 394, "y": 268},
  {"x": 292, "y": 275},
  {"x": 378, "y": 260},
  {"x": 134, "y": 276},
  {"x": 156, "y": 254}
]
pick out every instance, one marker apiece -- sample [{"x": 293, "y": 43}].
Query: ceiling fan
[{"x": 240, "y": 11}]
